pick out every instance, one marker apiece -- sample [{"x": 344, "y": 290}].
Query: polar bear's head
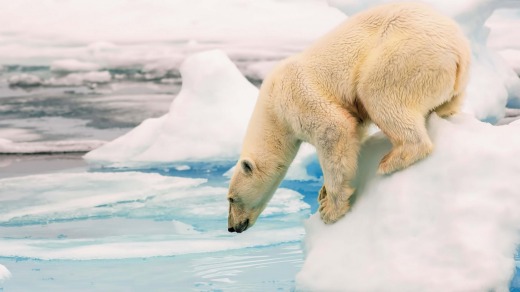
[{"x": 251, "y": 188}]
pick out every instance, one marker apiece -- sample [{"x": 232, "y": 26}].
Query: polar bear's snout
[
  {"x": 239, "y": 228},
  {"x": 233, "y": 225}
]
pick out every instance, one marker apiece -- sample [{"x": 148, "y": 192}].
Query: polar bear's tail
[
  {"x": 454, "y": 105},
  {"x": 462, "y": 73}
]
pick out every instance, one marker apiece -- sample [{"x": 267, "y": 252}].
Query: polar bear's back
[
  {"x": 393, "y": 43},
  {"x": 417, "y": 22}
]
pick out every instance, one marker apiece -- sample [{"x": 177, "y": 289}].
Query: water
[
  {"x": 258, "y": 269},
  {"x": 145, "y": 233}
]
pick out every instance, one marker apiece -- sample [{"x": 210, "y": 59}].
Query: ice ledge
[{"x": 448, "y": 223}]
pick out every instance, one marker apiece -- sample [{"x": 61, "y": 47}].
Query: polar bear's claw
[{"x": 332, "y": 208}]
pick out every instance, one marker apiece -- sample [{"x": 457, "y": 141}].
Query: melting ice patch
[
  {"x": 447, "y": 223},
  {"x": 41, "y": 216}
]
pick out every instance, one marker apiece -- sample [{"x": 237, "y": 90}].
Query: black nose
[
  {"x": 231, "y": 229},
  {"x": 242, "y": 227}
]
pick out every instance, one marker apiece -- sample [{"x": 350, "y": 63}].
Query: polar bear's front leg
[
  {"x": 337, "y": 144},
  {"x": 332, "y": 208}
]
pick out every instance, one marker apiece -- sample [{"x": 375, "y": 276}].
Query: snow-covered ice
[{"x": 447, "y": 223}]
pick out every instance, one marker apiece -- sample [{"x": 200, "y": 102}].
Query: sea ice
[
  {"x": 72, "y": 79},
  {"x": 54, "y": 217},
  {"x": 504, "y": 36},
  {"x": 10, "y": 147},
  {"x": 24, "y": 80},
  {"x": 4, "y": 274},
  {"x": 73, "y": 65},
  {"x": 447, "y": 223}
]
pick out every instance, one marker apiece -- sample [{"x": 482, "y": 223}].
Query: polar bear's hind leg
[
  {"x": 406, "y": 129},
  {"x": 410, "y": 142},
  {"x": 450, "y": 107}
]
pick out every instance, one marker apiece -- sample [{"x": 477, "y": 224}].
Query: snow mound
[
  {"x": 11, "y": 147},
  {"x": 447, "y": 223},
  {"x": 206, "y": 121},
  {"x": 493, "y": 84},
  {"x": 4, "y": 273}
]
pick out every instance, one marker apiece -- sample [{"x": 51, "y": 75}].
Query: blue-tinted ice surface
[
  {"x": 268, "y": 266},
  {"x": 256, "y": 269}
]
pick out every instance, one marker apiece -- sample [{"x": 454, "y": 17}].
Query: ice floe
[{"x": 447, "y": 223}]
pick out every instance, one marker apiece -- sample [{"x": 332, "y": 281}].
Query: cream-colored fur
[{"x": 392, "y": 65}]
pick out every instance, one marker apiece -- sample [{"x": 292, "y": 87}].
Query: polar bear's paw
[
  {"x": 332, "y": 208},
  {"x": 403, "y": 156}
]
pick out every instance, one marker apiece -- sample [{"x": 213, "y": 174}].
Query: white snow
[
  {"x": 447, "y": 223},
  {"x": 4, "y": 273},
  {"x": 10, "y": 147},
  {"x": 199, "y": 226}
]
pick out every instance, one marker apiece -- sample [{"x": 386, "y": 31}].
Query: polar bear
[{"x": 392, "y": 65}]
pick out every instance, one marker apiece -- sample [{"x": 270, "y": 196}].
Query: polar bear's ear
[{"x": 247, "y": 166}]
